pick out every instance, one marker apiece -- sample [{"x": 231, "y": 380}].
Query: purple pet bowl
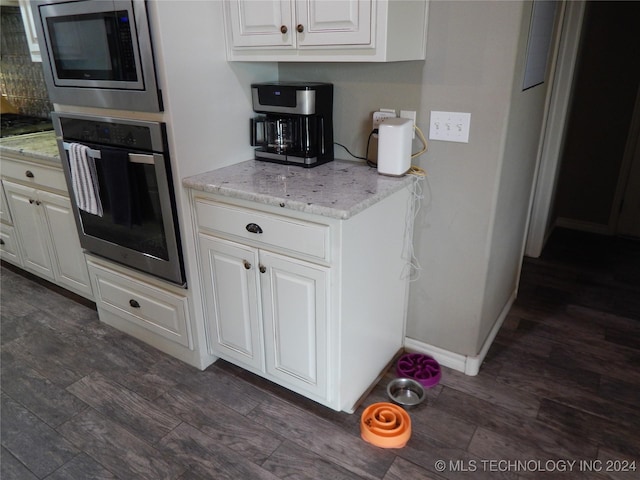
[{"x": 422, "y": 368}]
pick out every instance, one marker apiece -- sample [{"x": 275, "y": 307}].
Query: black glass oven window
[
  {"x": 95, "y": 46},
  {"x": 132, "y": 212}
]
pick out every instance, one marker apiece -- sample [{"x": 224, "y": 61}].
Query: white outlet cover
[{"x": 450, "y": 126}]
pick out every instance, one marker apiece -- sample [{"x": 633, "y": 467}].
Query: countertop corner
[
  {"x": 33, "y": 146},
  {"x": 338, "y": 189}
]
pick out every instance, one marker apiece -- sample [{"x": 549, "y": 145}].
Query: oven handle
[{"x": 133, "y": 157}]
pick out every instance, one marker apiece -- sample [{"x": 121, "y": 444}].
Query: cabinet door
[
  {"x": 8, "y": 246},
  {"x": 5, "y": 215},
  {"x": 32, "y": 237},
  {"x": 295, "y": 306},
  {"x": 232, "y": 302},
  {"x": 68, "y": 259},
  {"x": 333, "y": 22},
  {"x": 261, "y": 23}
]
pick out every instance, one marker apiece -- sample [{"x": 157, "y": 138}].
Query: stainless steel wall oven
[
  {"x": 98, "y": 53},
  {"x": 119, "y": 177}
]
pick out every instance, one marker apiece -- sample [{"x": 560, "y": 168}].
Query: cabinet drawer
[
  {"x": 158, "y": 311},
  {"x": 34, "y": 174},
  {"x": 282, "y": 232}
]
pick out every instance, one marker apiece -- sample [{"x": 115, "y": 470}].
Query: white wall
[
  {"x": 513, "y": 190},
  {"x": 207, "y": 106},
  {"x": 470, "y": 229}
]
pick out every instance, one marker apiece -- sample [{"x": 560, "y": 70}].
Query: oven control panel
[{"x": 107, "y": 133}]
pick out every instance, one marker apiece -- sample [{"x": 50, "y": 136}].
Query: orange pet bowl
[{"x": 385, "y": 425}]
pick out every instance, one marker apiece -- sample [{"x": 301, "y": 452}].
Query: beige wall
[{"x": 470, "y": 229}]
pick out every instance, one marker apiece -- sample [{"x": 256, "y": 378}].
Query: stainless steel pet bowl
[{"x": 406, "y": 392}]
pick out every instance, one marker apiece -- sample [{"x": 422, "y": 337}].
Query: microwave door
[
  {"x": 91, "y": 46},
  {"x": 98, "y": 54}
]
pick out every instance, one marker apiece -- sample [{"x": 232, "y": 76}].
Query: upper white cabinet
[
  {"x": 30, "y": 30},
  {"x": 326, "y": 30}
]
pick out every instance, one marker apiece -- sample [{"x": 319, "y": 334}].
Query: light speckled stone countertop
[
  {"x": 338, "y": 189},
  {"x": 40, "y": 146}
]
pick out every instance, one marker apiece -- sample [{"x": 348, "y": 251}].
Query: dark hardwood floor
[{"x": 561, "y": 384}]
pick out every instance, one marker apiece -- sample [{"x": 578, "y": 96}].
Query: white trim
[
  {"x": 469, "y": 365},
  {"x": 552, "y": 139}
]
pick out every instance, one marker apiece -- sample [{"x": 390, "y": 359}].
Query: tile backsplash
[{"x": 21, "y": 80}]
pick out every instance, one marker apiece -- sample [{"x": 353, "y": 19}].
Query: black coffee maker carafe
[{"x": 296, "y": 123}]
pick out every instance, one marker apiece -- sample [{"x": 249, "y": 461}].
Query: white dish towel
[{"x": 84, "y": 179}]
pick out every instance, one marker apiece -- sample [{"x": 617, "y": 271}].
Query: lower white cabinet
[
  {"x": 295, "y": 308},
  {"x": 319, "y": 309},
  {"x": 8, "y": 247},
  {"x": 268, "y": 308},
  {"x": 144, "y": 307},
  {"x": 47, "y": 237}
]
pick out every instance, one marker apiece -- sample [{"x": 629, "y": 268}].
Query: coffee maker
[{"x": 296, "y": 123}]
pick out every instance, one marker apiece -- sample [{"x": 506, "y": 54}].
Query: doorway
[
  {"x": 599, "y": 139},
  {"x": 587, "y": 163}
]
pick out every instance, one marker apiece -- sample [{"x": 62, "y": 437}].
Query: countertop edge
[
  {"x": 195, "y": 183},
  {"x": 11, "y": 146}
]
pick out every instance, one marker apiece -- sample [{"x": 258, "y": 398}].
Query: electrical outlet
[
  {"x": 411, "y": 115},
  {"x": 450, "y": 126},
  {"x": 380, "y": 116}
]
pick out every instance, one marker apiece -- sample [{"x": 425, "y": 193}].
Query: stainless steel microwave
[{"x": 98, "y": 53}]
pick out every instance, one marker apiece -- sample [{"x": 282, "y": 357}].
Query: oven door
[
  {"x": 97, "y": 53},
  {"x": 138, "y": 225}
]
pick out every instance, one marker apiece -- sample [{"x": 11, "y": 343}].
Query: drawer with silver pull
[
  {"x": 156, "y": 310},
  {"x": 271, "y": 230}
]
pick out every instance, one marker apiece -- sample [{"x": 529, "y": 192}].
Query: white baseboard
[{"x": 467, "y": 364}]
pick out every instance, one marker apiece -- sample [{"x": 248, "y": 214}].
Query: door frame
[
  {"x": 623, "y": 219},
  {"x": 552, "y": 138}
]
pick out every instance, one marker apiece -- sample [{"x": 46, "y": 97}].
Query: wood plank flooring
[{"x": 561, "y": 383}]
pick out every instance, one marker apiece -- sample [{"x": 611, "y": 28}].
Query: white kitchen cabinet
[
  {"x": 295, "y": 308},
  {"x": 230, "y": 280},
  {"x": 326, "y": 30},
  {"x": 268, "y": 312},
  {"x": 8, "y": 246},
  {"x": 47, "y": 236},
  {"x": 145, "y": 307},
  {"x": 43, "y": 228},
  {"x": 31, "y": 228},
  {"x": 30, "y": 30},
  {"x": 312, "y": 303}
]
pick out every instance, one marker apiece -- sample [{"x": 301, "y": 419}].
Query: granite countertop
[
  {"x": 338, "y": 189},
  {"x": 40, "y": 146}
]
